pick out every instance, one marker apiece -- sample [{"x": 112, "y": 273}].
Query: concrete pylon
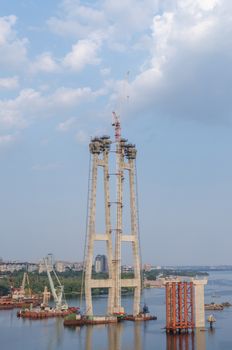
[
  {"x": 98, "y": 147},
  {"x": 199, "y": 301},
  {"x": 125, "y": 161}
]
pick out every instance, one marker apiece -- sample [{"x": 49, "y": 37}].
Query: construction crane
[
  {"x": 122, "y": 98},
  {"x": 58, "y": 291},
  {"x": 25, "y": 282},
  {"x": 117, "y": 126}
]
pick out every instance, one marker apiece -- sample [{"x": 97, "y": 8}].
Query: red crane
[{"x": 117, "y": 127}]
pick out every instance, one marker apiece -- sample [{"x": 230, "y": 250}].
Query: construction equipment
[
  {"x": 58, "y": 291},
  {"x": 117, "y": 126},
  {"x": 211, "y": 319},
  {"x": 25, "y": 287},
  {"x": 24, "y": 291},
  {"x": 46, "y": 297}
]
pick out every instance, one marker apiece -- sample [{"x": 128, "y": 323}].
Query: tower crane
[
  {"x": 117, "y": 126},
  {"x": 58, "y": 291},
  {"x": 116, "y": 118}
]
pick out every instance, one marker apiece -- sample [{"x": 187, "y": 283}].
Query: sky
[{"x": 165, "y": 67}]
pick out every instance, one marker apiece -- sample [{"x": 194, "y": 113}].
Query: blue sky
[{"x": 63, "y": 69}]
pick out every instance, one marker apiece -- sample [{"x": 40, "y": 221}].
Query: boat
[
  {"x": 213, "y": 306},
  {"x": 226, "y": 304}
]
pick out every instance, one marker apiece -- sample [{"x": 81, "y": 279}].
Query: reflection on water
[
  {"x": 114, "y": 334},
  {"x": 55, "y": 336},
  {"x": 189, "y": 341},
  {"x": 180, "y": 342}
]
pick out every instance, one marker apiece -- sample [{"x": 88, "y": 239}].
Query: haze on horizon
[{"x": 62, "y": 69}]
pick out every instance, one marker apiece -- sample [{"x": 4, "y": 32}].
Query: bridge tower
[{"x": 114, "y": 237}]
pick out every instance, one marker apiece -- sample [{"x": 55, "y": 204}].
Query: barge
[
  {"x": 6, "y": 304},
  {"x": 44, "y": 313},
  {"x": 140, "y": 317},
  {"x": 9, "y": 303},
  {"x": 79, "y": 320}
]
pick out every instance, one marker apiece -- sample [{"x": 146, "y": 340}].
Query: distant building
[
  {"x": 147, "y": 267},
  {"x": 31, "y": 267},
  {"x": 78, "y": 266},
  {"x": 100, "y": 264},
  {"x": 127, "y": 269},
  {"x": 12, "y": 266},
  {"x": 60, "y": 266},
  {"x": 42, "y": 267}
]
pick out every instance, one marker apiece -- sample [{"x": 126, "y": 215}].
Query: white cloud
[
  {"x": 69, "y": 97},
  {"x": 44, "y": 63},
  {"x": 66, "y": 125},
  {"x": 84, "y": 52},
  {"x": 20, "y": 111},
  {"x": 189, "y": 71},
  {"x": 109, "y": 17},
  {"x": 13, "y": 51},
  {"x": 9, "y": 83},
  {"x": 7, "y": 139},
  {"x": 76, "y": 20},
  {"x": 30, "y": 104},
  {"x": 6, "y": 24}
]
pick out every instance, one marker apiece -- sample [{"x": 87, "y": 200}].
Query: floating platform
[
  {"x": 140, "y": 317},
  {"x": 78, "y": 320},
  {"x": 6, "y": 305},
  {"x": 9, "y": 303},
  {"x": 36, "y": 314}
]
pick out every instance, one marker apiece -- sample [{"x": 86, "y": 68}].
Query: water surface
[{"x": 19, "y": 334}]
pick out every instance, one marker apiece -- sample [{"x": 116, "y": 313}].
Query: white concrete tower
[
  {"x": 130, "y": 154},
  {"x": 199, "y": 301},
  {"x": 125, "y": 162},
  {"x": 99, "y": 149}
]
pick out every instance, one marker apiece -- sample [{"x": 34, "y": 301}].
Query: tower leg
[
  {"x": 134, "y": 232},
  {"x": 91, "y": 232}
]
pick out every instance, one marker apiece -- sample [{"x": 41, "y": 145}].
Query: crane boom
[
  {"x": 53, "y": 290},
  {"x": 23, "y": 282},
  {"x": 57, "y": 292}
]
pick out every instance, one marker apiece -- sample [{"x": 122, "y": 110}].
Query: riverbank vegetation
[
  {"x": 72, "y": 280},
  {"x": 153, "y": 274}
]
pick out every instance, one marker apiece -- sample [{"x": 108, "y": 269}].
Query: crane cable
[
  {"x": 86, "y": 234},
  {"x": 138, "y": 227}
]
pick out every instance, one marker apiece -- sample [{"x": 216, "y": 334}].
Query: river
[{"x": 19, "y": 334}]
